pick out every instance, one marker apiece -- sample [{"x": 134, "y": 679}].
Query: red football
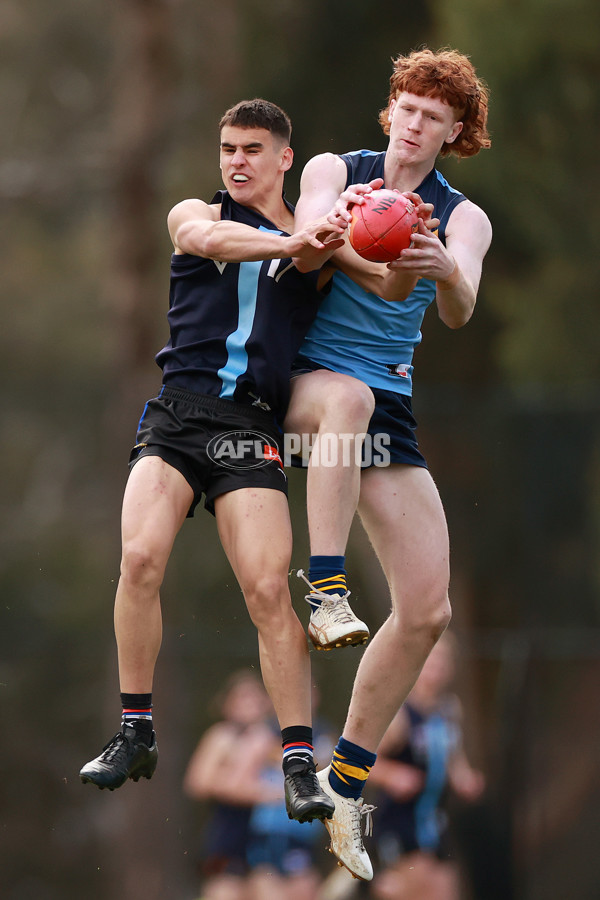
[{"x": 383, "y": 225}]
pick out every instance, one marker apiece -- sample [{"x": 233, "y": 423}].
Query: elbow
[
  {"x": 195, "y": 791},
  {"x": 186, "y": 238},
  {"x": 197, "y": 786},
  {"x": 455, "y": 314},
  {"x": 456, "y": 321}
]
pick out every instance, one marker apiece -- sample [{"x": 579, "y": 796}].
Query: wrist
[{"x": 446, "y": 284}]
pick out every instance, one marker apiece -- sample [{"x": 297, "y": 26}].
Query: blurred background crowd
[
  {"x": 110, "y": 115},
  {"x": 250, "y": 850}
]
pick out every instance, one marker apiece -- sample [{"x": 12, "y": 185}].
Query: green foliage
[{"x": 539, "y": 180}]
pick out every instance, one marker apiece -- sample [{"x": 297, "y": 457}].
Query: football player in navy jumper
[
  {"x": 361, "y": 345},
  {"x": 238, "y": 311}
]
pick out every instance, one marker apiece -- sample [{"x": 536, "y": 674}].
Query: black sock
[
  {"x": 137, "y": 712},
  {"x": 297, "y": 746}
]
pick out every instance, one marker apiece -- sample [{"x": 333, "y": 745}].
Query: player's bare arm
[
  {"x": 468, "y": 237},
  {"x": 455, "y": 267},
  {"x": 322, "y": 196},
  {"x": 196, "y": 228}
]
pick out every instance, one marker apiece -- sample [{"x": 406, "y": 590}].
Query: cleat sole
[
  {"x": 101, "y": 787},
  {"x": 312, "y": 816},
  {"x": 313, "y": 813},
  {"x": 352, "y": 640},
  {"x": 136, "y": 778}
]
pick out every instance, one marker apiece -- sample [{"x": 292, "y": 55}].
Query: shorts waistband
[{"x": 218, "y": 404}]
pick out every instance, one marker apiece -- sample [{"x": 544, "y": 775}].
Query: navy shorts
[
  {"x": 217, "y": 445},
  {"x": 392, "y": 427},
  {"x": 279, "y": 852},
  {"x": 225, "y": 841}
]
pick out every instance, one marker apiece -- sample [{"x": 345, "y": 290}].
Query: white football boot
[
  {"x": 344, "y": 829},
  {"x": 332, "y": 622}
]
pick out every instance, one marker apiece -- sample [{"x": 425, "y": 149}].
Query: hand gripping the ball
[{"x": 382, "y": 226}]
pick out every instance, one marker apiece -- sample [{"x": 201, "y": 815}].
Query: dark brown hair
[{"x": 259, "y": 113}]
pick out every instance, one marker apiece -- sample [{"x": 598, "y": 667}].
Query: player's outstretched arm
[{"x": 196, "y": 228}]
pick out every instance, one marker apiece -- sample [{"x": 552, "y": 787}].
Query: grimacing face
[{"x": 252, "y": 162}]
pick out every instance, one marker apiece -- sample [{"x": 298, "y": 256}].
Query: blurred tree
[
  {"x": 542, "y": 66},
  {"x": 110, "y": 115},
  {"x": 541, "y": 470}
]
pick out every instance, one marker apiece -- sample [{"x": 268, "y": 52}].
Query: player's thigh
[
  {"x": 314, "y": 395},
  {"x": 255, "y": 531},
  {"x": 401, "y": 510},
  {"x": 156, "y": 501}
]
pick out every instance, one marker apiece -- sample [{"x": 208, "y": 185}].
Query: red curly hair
[{"x": 448, "y": 76}]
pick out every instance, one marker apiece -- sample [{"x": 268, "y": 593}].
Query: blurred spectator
[
  {"x": 251, "y": 849},
  {"x": 420, "y": 761},
  {"x": 281, "y": 851},
  {"x": 224, "y": 770}
]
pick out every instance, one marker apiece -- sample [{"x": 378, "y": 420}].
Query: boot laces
[
  {"x": 366, "y": 812},
  {"x": 335, "y": 604},
  {"x": 305, "y": 782},
  {"x": 116, "y": 746}
]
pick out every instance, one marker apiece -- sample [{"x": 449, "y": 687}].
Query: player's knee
[
  {"x": 435, "y": 621},
  {"x": 267, "y": 599},
  {"x": 441, "y": 617},
  {"x": 437, "y": 612},
  {"x": 427, "y": 620},
  {"x": 358, "y": 400},
  {"x": 352, "y": 400},
  {"x": 140, "y": 567}
]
